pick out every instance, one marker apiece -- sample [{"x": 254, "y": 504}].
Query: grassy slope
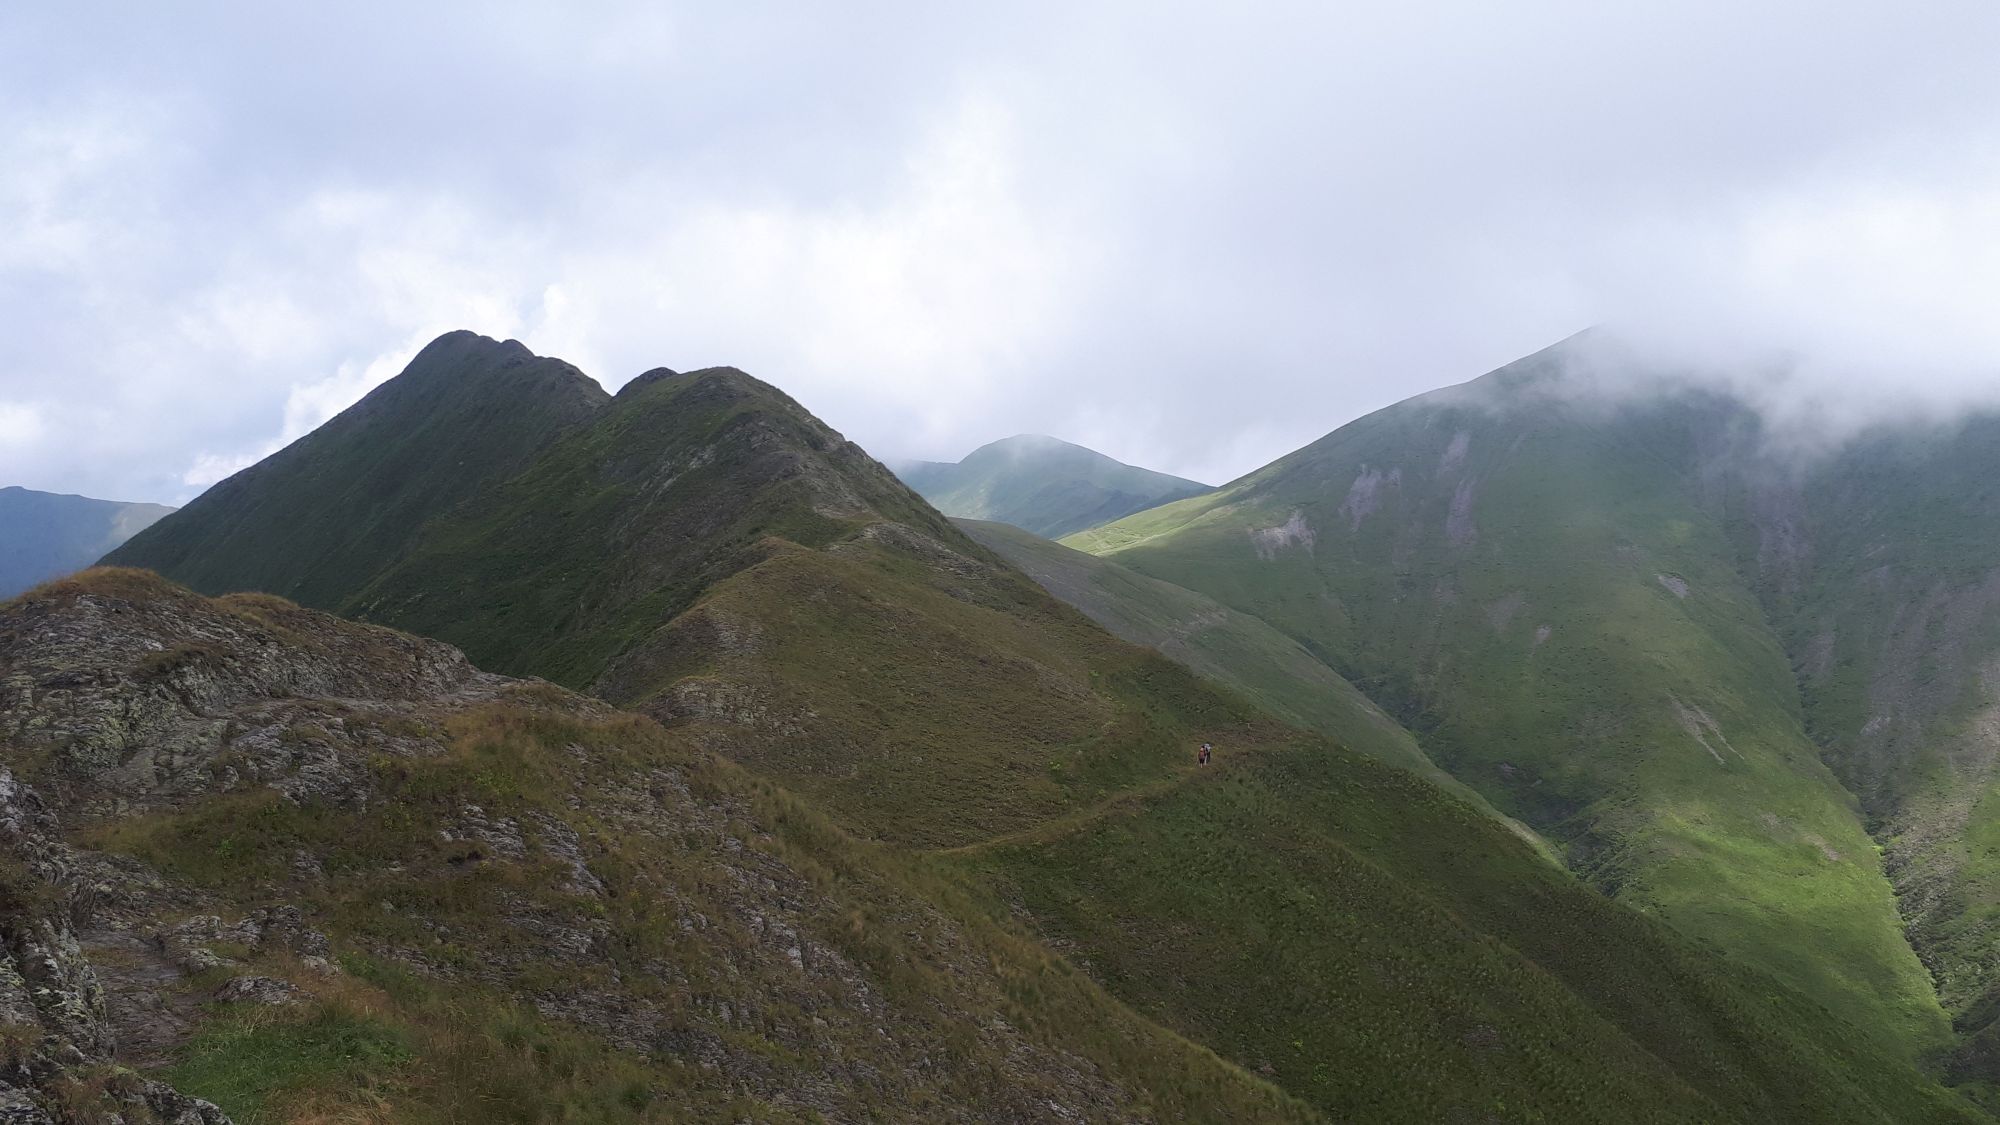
[
  {"x": 1218, "y": 644},
  {"x": 44, "y": 535},
  {"x": 948, "y": 706},
  {"x": 925, "y": 707},
  {"x": 1043, "y": 485},
  {"x": 620, "y": 525},
  {"x": 1280, "y": 904},
  {"x": 452, "y": 1007},
  {"x": 1878, "y": 563},
  {"x": 325, "y": 514},
  {"x": 706, "y": 550},
  {"x": 1498, "y": 571},
  {"x": 940, "y": 703}
]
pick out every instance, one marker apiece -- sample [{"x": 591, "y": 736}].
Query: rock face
[
  {"x": 235, "y": 817},
  {"x": 57, "y": 1043}
]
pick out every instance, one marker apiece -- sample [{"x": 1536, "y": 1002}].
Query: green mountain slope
[
  {"x": 1881, "y": 565},
  {"x": 1278, "y": 906},
  {"x": 44, "y": 535},
  {"x": 1528, "y": 577},
  {"x": 1219, "y": 644},
  {"x": 318, "y": 871},
  {"x": 679, "y": 482},
  {"x": 1042, "y": 484},
  {"x": 325, "y": 514},
  {"x": 705, "y": 551}
]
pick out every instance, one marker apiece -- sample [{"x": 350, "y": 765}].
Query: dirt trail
[{"x": 1122, "y": 803}]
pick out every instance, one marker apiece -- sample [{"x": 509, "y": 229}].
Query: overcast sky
[{"x": 1192, "y": 240}]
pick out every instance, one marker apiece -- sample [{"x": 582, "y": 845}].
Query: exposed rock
[
  {"x": 1701, "y": 727},
  {"x": 1294, "y": 532},
  {"x": 1364, "y": 496},
  {"x": 1501, "y": 613},
  {"x": 1454, "y": 454},
  {"x": 259, "y": 990},
  {"x": 152, "y": 703},
  {"x": 1459, "y": 530},
  {"x": 48, "y": 986}
]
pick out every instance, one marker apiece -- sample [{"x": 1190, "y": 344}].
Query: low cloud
[{"x": 1192, "y": 242}]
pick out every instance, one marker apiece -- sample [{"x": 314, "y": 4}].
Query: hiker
[{"x": 1206, "y": 752}]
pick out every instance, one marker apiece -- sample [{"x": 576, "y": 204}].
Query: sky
[{"x": 1193, "y": 238}]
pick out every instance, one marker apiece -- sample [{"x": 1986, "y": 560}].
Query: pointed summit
[{"x": 324, "y": 514}]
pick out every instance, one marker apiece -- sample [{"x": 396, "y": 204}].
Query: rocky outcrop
[
  {"x": 56, "y": 1039},
  {"x": 216, "y": 804}
]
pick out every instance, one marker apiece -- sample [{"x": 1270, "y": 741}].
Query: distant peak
[
  {"x": 464, "y": 339},
  {"x": 1026, "y": 443},
  {"x": 731, "y": 377}
]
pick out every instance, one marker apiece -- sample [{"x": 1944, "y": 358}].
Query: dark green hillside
[
  {"x": 1043, "y": 485},
  {"x": 1528, "y": 577},
  {"x": 318, "y": 519},
  {"x": 682, "y": 480},
  {"x": 1278, "y": 906},
  {"x": 44, "y": 535}
]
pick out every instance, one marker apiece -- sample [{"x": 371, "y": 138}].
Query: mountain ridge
[
  {"x": 709, "y": 553},
  {"x": 49, "y": 534},
  {"x": 359, "y": 478}
]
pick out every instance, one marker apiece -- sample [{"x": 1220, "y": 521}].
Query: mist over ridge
[{"x": 1179, "y": 239}]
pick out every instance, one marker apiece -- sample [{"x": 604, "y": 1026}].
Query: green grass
[
  {"x": 461, "y": 1040},
  {"x": 1338, "y": 924},
  {"x": 1223, "y": 646},
  {"x": 1529, "y": 643},
  {"x": 621, "y": 525},
  {"x": 1893, "y": 619},
  {"x": 250, "y": 1067}
]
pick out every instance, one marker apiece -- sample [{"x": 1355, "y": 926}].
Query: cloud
[
  {"x": 20, "y": 424},
  {"x": 1194, "y": 241}
]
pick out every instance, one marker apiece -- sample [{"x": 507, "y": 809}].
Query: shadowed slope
[
  {"x": 321, "y": 517},
  {"x": 1389, "y": 954}
]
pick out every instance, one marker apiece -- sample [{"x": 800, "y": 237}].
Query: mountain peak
[
  {"x": 468, "y": 411},
  {"x": 1043, "y": 484}
]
